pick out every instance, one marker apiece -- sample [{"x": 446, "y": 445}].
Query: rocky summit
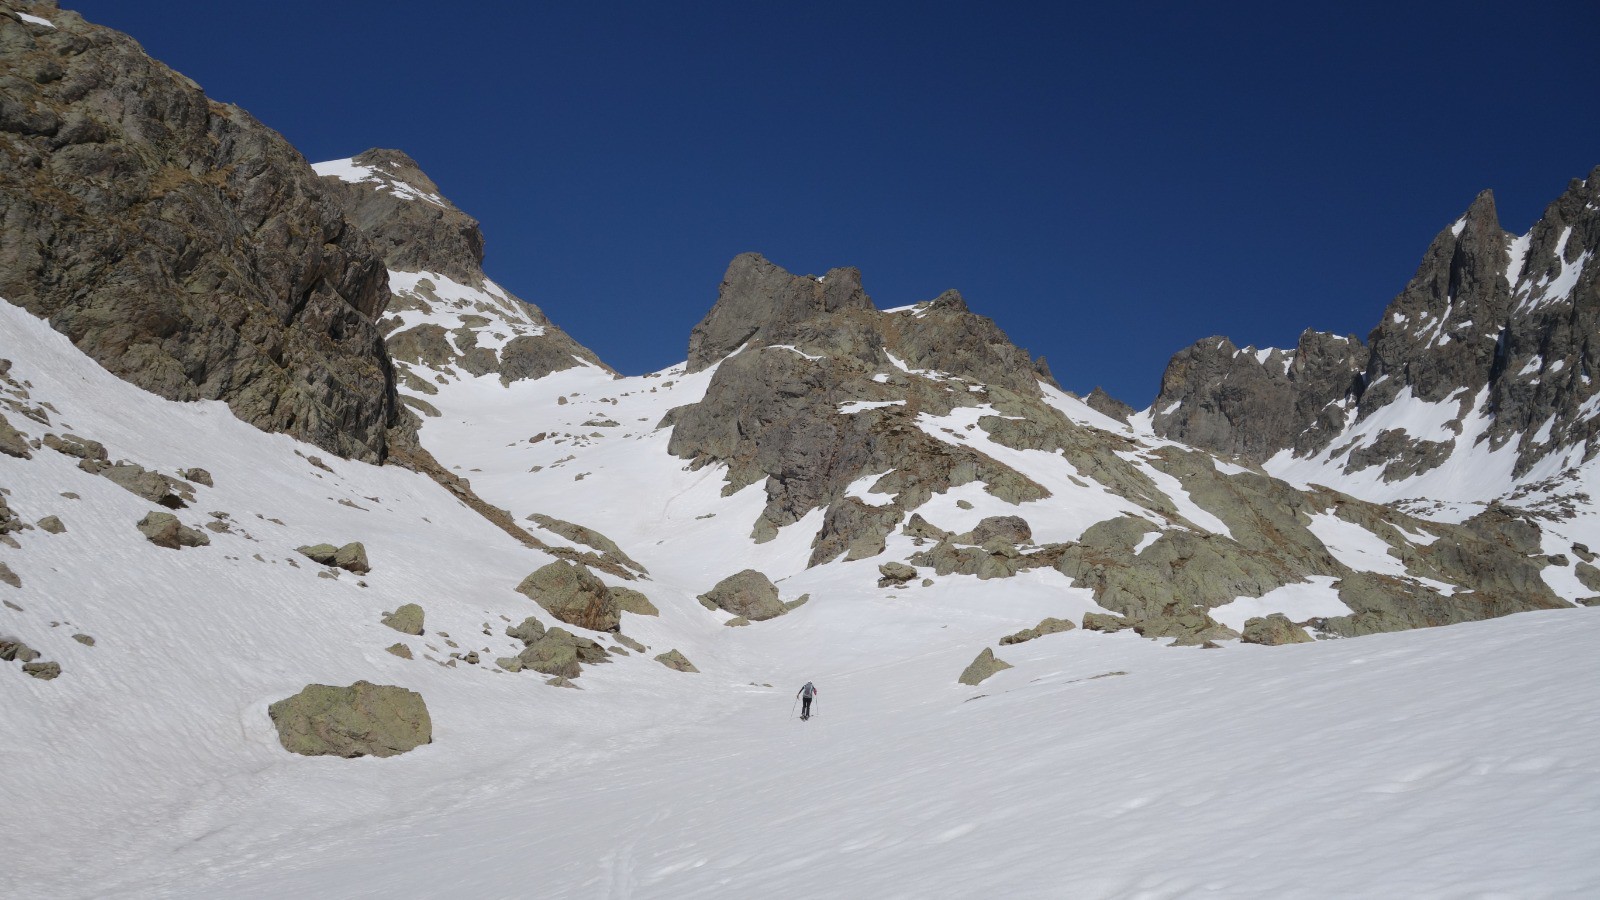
[{"x": 428, "y": 568}]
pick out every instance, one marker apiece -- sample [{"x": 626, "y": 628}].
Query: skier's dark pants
[{"x": 805, "y": 707}]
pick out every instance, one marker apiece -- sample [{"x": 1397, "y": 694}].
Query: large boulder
[
  {"x": 560, "y": 652},
  {"x": 630, "y": 600},
  {"x": 1273, "y": 630},
  {"x": 895, "y": 573},
  {"x": 164, "y": 530},
  {"x": 981, "y": 668},
  {"x": 573, "y": 594},
  {"x": 1011, "y": 529},
  {"x": 406, "y": 620},
  {"x": 529, "y": 631},
  {"x": 748, "y": 593},
  {"x": 363, "y": 719}
]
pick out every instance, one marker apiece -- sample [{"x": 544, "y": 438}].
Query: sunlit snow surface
[{"x": 1447, "y": 762}]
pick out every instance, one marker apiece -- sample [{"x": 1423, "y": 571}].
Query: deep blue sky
[{"x": 1110, "y": 184}]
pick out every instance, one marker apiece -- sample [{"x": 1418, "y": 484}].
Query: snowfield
[{"x": 1448, "y": 762}]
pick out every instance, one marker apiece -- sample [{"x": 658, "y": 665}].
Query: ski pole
[{"x": 793, "y": 705}]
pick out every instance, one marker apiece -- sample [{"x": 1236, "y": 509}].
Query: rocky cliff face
[
  {"x": 1489, "y": 345},
  {"x": 447, "y": 320},
  {"x": 182, "y": 244}
]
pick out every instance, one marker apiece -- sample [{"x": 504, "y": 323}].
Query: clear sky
[{"x": 1110, "y": 182}]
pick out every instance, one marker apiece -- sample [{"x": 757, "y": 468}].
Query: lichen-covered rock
[
  {"x": 1048, "y": 626},
  {"x": 672, "y": 659},
  {"x": 400, "y": 650},
  {"x": 588, "y": 536},
  {"x": 748, "y": 593},
  {"x": 981, "y": 668},
  {"x": 1272, "y": 630},
  {"x": 1104, "y": 622},
  {"x": 573, "y": 594},
  {"x": 893, "y": 573},
  {"x": 362, "y": 719},
  {"x": 14, "y": 649},
  {"x": 196, "y": 475},
  {"x": 529, "y": 631},
  {"x": 164, "y": 530},
  {"x": 153, "y": 486},
  {"x": 52, "y": 525},
  {"x": 42, "y": 670},
  {"x": 406, "y": 620},
  {"x": 12, "y": 442},
  {"x": 509, "y": 663},
  {"x": 629, "y": 642},
  {"x": 352, "y": 557},
  {"x": 560, "y": 652},
  {"x": 1011, "y": 529},
  {"x": 629, "y": 600}
]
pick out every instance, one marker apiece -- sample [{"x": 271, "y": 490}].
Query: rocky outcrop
[
  {"x": 407, "y": 619},
  {"x": 1492, "y": 325},
  {"x": 827, "y": 390},
  {"x": 758, "y": 300},
  {"x": 748, "y": 594},
  {"x": 183, "y": 245},
  {"x": 607, "y": 548},
  {"x": 164, "y": 530},
  {"x": 1253, "y": 403},
  {"x": 362, "y": 719},
  {"x": 982, "y": 668},
  {"x": 1273, "y": 630},
  {"x": 388, "y": 197},
  {"x": 574, "y": 595}
]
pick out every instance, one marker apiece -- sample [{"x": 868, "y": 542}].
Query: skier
[{"x": 805, "y": 695}]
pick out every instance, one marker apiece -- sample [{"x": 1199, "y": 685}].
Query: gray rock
[
  {"x": 1273, "y": 630},
  {"x": 13, "y": 649},
  {"x": 1011, "y": 529},
  {"x": 737, "y": 622},
  {"x": 892, "y": 573},
  {"x": 51, "y": 524},
  {"x": 352, "y": 557},
  {"x": 400, "y": 650},
  {"x": 559, "y": 652},
  {"x": 152, "y": 486},
  {"x": 629, "y": 600},
  {"x": 406, "y": 620},
  {"x": 1104, "y": 622},
  {"x": 747, "y": 593},
  {"x": 981, "y": 668},
  {"x": 672, "y": 659},
  {"x": 629, "y": 642},
  {"x": 509, "y": 663},
  {"x": 573, "y": 594},
  {"x": 84, "y": 639},
  {"x": 757, "y": 298},
  {"x": 528, "y": 632},
  {"x": 1107, "y": 405},
  {"x": 589, "y": 537},
  {"x": 9, "y": 577},
  {"x": 42, "y": 670},
  {"x": 164, "y": 530},
  {"x": 13, "y": 442},
  {"x": 1048, "y": 626},
  {"x": 363, "y": 719},
  {"x": 198, "y": 476}
]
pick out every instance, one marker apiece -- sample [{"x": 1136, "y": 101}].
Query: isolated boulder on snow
[
  {"x": 672, "y": 659},
  {"x": 363, "y": 719},
  {"x": 1048, "y": 626},
  {"x": 981, "y": 668},
  {"x": 42, "y": 670},
  {"x": 12, "y": 442},
  {"x": 1273, "y": 630},
  {"x": 352, "y": 557},
  {"x": 573, "y": 594},
  {"x": 893, "y": 573},
  {"x": 164, "y": 530},
  {"x": 560, "y": 652},
  {"x": 748, "y": 593},
  {"x": 406, "y": 620}
]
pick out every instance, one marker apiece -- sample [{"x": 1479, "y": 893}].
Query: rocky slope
[
  {"x": 446, "y": 319},
  {"x": 180, "y": 243},
  {"x": 1487, "y": 355}
]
